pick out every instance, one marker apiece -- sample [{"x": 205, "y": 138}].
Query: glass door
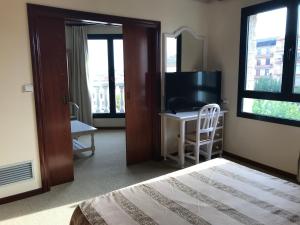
[{"x": 106, "y": 75}]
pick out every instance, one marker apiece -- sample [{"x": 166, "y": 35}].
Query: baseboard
[
  {"x": 21, "y": 196},
  {"x": 264, "y": 168}
]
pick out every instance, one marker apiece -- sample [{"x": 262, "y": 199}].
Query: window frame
[
  {"x": 111, "y": 74},
  {"x": 289, "y": 66}
]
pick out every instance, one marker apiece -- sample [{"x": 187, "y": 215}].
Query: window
[
  {"x": 268, "y": 52},
  {"x": 274, "y": 95},
  {"x": 173, "y": 54},
  {"x": 259, "y": 52},
  {"x": 267, "y": 72},
  {"x": 258, "y": 72},
  {"x": 119, "y": 75},
  {"x": 106, "y": 75},
  {"x": 258, "y": 62}
]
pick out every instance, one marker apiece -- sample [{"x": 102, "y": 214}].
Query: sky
[{"x": 271, "y": 23}]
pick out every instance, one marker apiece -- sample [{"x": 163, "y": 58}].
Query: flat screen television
[{"x": 185, "y": 91}]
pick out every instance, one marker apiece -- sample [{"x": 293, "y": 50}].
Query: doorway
[
  {"x": 95, "y": 56},
  {"x": 141, "y": 41}
]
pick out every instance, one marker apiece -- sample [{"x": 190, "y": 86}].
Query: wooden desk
[
  {"x": 79, "y": 129},
  {"x": 182, "y": 118}
]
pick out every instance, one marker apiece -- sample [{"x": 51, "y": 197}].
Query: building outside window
[{"x": 106, "y": 75}]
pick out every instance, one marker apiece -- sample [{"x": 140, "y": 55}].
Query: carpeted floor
[{"x": 102, "y": 173}]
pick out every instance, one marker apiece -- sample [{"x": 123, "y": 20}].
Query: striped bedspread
[{"x": 215, "y": 192}]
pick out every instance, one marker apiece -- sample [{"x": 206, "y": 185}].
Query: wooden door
[
  {"x": 137, "y": 93},
  {"x": 53, "y": 85}
]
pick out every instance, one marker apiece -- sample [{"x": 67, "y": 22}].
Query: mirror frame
[
  {"x": 178, "y": 32},
  {"x": 175, "y": 34}
]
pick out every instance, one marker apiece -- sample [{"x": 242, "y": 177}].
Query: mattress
[{"x": 215, "y": 192}]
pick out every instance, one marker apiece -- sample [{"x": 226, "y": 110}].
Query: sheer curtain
[{"x": 78, "y": 72}]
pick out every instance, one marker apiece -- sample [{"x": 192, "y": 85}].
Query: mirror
[{"x": 185, "y": 51}]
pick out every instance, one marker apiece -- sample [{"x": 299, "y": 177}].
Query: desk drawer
[
  {"x": 218, "y": 134},
  {"x": 220, "y": 121}
]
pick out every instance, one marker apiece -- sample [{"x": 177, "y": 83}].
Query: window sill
[{"x": 269, "y": 119}]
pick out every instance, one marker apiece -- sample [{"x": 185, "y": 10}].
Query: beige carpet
[{"x": 104, "y": 172}]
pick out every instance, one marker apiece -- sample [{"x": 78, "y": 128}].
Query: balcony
[{"x": 101, "y": 98}]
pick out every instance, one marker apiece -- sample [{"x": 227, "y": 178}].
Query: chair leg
[{"x": 196, "y": 153}]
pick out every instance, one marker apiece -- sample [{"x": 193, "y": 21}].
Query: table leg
[
  {"x": 164, "y": 134},
  {"x": 93, "y": 143},
  {"x": 181, "y": 144}
]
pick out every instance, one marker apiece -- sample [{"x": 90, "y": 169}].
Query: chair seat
[{"x": 192, "y": 137}]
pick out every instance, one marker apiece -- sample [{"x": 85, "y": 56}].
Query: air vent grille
[{"x": 15, "y": 173}]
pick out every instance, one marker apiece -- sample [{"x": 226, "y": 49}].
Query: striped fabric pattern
[{"x": 211, "y": 193}]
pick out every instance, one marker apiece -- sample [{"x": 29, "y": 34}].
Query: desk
[
  {"x": 182, "y": 118},
  {"x": 79, "y": 129}
]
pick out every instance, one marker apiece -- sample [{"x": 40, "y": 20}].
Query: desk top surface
[
  {"x": 190, "y": 115},
  {"x": 79, "y": 127}
]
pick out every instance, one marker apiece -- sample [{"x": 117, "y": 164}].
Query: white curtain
[{"x": 78, "y": 72}]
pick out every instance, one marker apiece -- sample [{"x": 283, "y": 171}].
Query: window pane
[
  {"x": 98, "y": 75},
  {"x": 297, "y": 69},
  {"x": 265, "y": 50},
  {"x": 277, "y": 109},
  {"x": 171, "y": 54},
  {"x": 119, "y": 76}
]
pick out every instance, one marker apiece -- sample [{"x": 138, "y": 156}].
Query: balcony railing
[{"x": 101, "y": 98}]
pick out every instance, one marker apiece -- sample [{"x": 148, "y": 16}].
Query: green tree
[
  {"x": 267, "y": 83},
  {"x": 279, "y": 109}
]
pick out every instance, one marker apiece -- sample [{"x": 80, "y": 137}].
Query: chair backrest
[
  {"x": 74, "y": 108},
  {"x": 208, "y": 117}
]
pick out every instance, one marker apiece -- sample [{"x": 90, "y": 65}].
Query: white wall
[
  {"x": 191, "y": 53},
  {"x": 268, "y": 143},
  {"x": 18, "y": 123}
]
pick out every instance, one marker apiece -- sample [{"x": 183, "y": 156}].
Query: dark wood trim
[
  {"x": 81, "y": 16},
  {"x": 261, "y": 167},
  {"x": 35, "y": 52},
  {"x": 36, "y": 11},
  {"x": 21, "y": 196},
  {"x": 156, "y": 93}
]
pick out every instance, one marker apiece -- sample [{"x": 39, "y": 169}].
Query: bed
[{"x": 215, "y": 192}]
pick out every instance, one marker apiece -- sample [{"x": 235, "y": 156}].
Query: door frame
[{"x": 34, "y": 11}]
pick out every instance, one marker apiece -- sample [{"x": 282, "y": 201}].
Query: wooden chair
[{"x": 202, "y": 140}]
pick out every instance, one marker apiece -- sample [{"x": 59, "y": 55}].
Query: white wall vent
[{"x": 15, "y": 173}]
